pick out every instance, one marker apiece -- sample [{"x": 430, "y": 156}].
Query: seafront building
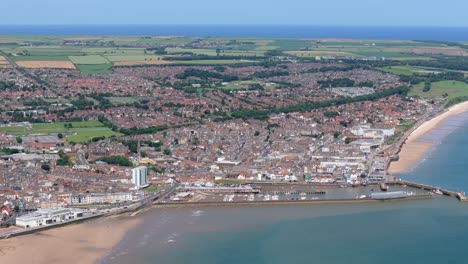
[
  {"x": 48, "y": 216},
  {"x": 140, "y": 176}
]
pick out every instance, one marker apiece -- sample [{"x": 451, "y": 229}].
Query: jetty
[{"x": 459, "y": 195}]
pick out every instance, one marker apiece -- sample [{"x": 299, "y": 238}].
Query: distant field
[
  {"x": 131, "y": 57},
  {"x": 143, "y": 62},
  {"x": 89, "y": 59},
  {"x": 407, "y": 70},
  {"x": 224, "y": 52},
  {"x": 453, "y": 89},
  {"x": 46, "y": 64},
  {"x": 314, "y": 53},
  {"x": 211, "y": 62}
]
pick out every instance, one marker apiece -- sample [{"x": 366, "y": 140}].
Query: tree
[
  {"x": 218, "y": 51},
  {"x": 257, "y": 133},
  {"x": 60, "y": 135},
  {"x": 336, "y": 134},
  {"x": 45, "y": 167},
  {"x": 19, "y": 140},
  {"x": 347, "y": 140},
  {"x": 167, "y": 151},
  {"x": 143, "y": 154}
]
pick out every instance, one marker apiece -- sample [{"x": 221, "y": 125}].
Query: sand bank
[
  {"x": 81, "y": 243},
  {"x": 414, "y": 148}
]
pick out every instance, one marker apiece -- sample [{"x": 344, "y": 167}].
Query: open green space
[
  {"x": 79, "y": 132},
  {"x": 451, "y": 89},
  {"x": 89, "y": 59},
  {"x": 82, "y": 136},
  {"x": 408, "y": 70}
]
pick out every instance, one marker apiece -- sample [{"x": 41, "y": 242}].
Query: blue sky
[{"x": 313, "y": 12}]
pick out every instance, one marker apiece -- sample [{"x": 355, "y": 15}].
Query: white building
[
  {"x": 140, "y": 176},
  {"x": 47, "y": 217}
]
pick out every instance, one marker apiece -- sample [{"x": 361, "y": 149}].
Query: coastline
[
  {"x": 415, "y": 146},
  {"x": 79, "y": 243}
]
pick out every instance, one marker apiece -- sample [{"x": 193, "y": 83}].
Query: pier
[{"x": 459, "y": 195}]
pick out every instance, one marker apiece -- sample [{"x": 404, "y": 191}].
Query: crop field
[
  {"x": 89, "y": 59},
  {"x": 46, "y": 64},
  {"x": 4, "y": 62}
]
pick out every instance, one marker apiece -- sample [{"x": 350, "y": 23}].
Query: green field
[
  {"x": 407, "y": 70},
  {"x": 80, "y": 131},
  {"x": 453, "y": 89},
  {"x": 83, "y": 135},
  {"x": 89, "y": 59}
]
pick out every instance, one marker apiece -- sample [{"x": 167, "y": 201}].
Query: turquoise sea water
[{"x": 419, "y": 231}]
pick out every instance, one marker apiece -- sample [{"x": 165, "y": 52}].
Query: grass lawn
[
  {"x": 46, "y": 128},
  {"x": 453, "y": 89},
  {"x": 95, "y": 68},
  {"x": 82, "y": 136}
]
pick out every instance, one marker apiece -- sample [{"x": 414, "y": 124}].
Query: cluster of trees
[
  {"x": 64, "y": 159},
  {"x": 9, "y": 151},
  {"x": 269, "y": 74},
  {"x": 139, "y": 131},
  {"x": 427, "y": 86},
  {"x": 202, "y": 74},
  {"x": 158, "y": 50},
  {"x": 117, "y": 160},
  {"x": 7, "y": 85}
]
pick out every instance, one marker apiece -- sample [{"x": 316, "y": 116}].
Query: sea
[
  {"x": 417, "y": 231},
  {"x": 253, "y": 31}
]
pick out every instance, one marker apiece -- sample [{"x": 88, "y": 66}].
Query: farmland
[
  {"x": 97, "y": 55},
  {"x": 46, "y": 64}
]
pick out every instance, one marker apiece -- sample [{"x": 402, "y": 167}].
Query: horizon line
[{"x": 232, "y": 24}]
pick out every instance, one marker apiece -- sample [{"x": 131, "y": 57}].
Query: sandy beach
[
  {"x": 79, "y": 243},
  {"x": 415, "y": 146}
]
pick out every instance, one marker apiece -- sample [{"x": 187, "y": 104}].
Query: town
[{"x": 196, "y": 121}]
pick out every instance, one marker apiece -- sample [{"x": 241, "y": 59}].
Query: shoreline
[
  {"x": 414, "y": 148},
  {"x": 91, "y": 241}
]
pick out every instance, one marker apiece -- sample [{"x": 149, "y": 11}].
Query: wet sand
[
  {"x": 79, "y": 243},
  {"x": 417, "y": 145}
]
